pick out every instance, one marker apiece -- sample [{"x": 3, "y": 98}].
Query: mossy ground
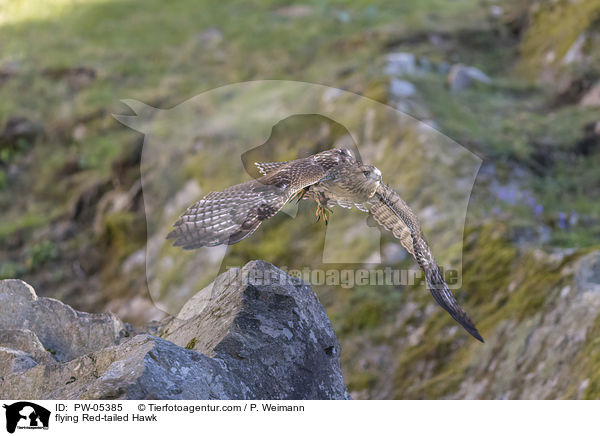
[{"x": 163, "y": 53}]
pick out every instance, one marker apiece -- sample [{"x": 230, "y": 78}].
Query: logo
[{"x": 26, "y": 415}]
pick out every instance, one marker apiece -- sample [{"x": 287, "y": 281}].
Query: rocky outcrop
[
  {"x": 541, "y": 318},
  {"x": 254, "y": 333},
  {"x": 462, "y": 77},
  {"x": 546, "y": 356},
  {"x": 64, "y": 332},
  {"x": 592, "y": 97},
  {"x": 19, "y": 129}
]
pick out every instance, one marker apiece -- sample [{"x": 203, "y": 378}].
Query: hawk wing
[
  {"x": 228, "y": 216},
  {"x": 390, "y": 211},
  {"x": 268, "y": 167}
]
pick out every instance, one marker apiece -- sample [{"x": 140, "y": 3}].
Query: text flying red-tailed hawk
[{"x": 332, "y": 177}]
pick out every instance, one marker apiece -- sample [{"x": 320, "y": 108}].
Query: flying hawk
[{"x": 330, "y": 178}]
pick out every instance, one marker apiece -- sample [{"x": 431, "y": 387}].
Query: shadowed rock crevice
[{"x": 239, "y": 338}]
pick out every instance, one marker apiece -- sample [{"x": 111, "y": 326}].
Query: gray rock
[
  {"x": 400, "y": 64},
  {"x": 9, "y": 69},
  {"x": 533, "y": 359},
  {"x": 254, "y": 333},
  {"x": 444, "y": 67},
  {"x": 19, "y": 128},
  {"x": 295, "y": 11},
  {"x": 12, "y": 361},
  {"x": 425, "y": 64},
  {"x": 587, "y": 277},
  {"x": 575, "y": 54},
  {"x": 394, "y": 253},
  {"x": 343, "y": 16},
  {"x": 496, "y": 11},
  {"x": 402, "y": 89},
  {"x": 144, "y": 367},
  {"x": 592, "y": 97},
  {"x": 61, "y": 330},
  {"x": 21, "y": 350},
  {"x": 462, "y": 77},
  {"x": 210, "y": 37},
  {"x": 265, "y": 327}
]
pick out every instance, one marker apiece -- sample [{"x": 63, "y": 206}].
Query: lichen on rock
[{"x": 244, "y": 340}]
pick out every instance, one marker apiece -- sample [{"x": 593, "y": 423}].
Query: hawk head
[
  {"x": 355, "y": 181},
  {"x": 368, "y": 178},
  {"x": 371, "y": 173}
]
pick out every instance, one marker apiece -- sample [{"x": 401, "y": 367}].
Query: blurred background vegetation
[{"x": 516, "y": 82}]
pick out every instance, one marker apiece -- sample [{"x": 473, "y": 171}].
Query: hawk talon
[
  {"x": 299, "y": 195},
  {"x": 323, "y": 212}
]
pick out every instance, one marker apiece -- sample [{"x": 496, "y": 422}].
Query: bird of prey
[{"x": 332, "y": 177}]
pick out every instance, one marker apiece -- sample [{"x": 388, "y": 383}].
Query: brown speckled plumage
[{"x": 330, "y": 178}]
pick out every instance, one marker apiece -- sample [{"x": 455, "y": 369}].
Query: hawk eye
[{"x": 367, "y": 173}]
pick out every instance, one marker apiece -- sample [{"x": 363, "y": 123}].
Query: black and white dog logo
[{"x": 26, "y": 415}]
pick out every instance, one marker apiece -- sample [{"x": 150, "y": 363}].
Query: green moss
[
  {"x": 11, "y": 270},
  {"x": 191, "y": 344},
  {"x": 28, "y": 221},
  {"x": 360, "y": 381},
  {"x": 588, "y": 363},
  {"x": 366, "y": 315},
  {"x": 121, "y": 234},
  {"x": 503, "y": 284},
  {"x": 40, "y": 253},
  {"x": 500, "y": 284},
  {"x": 409, "y": 379},
  {"x": 9, "y": 152},
  {"x": 378, "y": 90},
  {"x": 552, "y": 31}
]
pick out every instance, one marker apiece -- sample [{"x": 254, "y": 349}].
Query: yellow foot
[
  {"x": 299, "y": 195},
  {"x": 323, "y": 212}
]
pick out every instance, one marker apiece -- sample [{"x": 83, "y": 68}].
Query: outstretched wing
[
  {"x": 268, "y": 167},
  {"x": 390, "y": 211},
  {"x": 228, "y": 216}
]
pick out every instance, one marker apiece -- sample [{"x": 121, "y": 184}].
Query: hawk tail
[
  {"x": 389, "y": 210},
  {"x": 444, "y": 297}
]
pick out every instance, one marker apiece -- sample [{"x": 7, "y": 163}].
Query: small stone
[
  {"x": 462, "y": 77},
  {"x": 19, "y": 128},
  {"x": 496, "y": 11},
  {"x": 444, "y": 67},
  {"x": 592, "y": 99},
  {"x": 425, "y": 64},
  {"x": 400, "y": 64},
  {"x": 394, "y": 253},
  {"x": 210, "y": 37},
  {"x": 79, "y": 132},
  {"x": 402, "y": 89},
  {"x": 295, "y": 11},
  {"x": 575, "y": 52},
  {"x": 343, "y": 16},
  {"x": 14, "y": 361}
]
